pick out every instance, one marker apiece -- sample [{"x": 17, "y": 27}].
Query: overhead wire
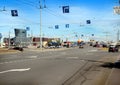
[
  {"x": 23, "y": 19},
  {"x": 32, "y": 4},
  {"x": 48, "y": 10},
  {"x": 29, "y": 3}
]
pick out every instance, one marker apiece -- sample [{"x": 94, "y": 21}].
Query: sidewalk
[
  {"x": 114, "y": 78},
  {"x": 6, "y": 50}
]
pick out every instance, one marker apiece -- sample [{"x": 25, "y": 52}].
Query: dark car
[
  {"x": 54, "y": 45},
  {"x": 113, "y": 48},
  {"x": 81, "y": 45}
]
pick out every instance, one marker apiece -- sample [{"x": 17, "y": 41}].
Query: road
[{"x": 58, "y": 67}]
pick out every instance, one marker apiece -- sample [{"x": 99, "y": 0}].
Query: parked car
[{"x": 113, "y": 48}]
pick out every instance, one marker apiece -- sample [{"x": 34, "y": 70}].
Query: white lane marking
[
  {"x": 92, "y": 50},
  {"x": 72, "y": 57},
  {"x": 13, "y": 70},
  {"x": 32, "y": 57}
]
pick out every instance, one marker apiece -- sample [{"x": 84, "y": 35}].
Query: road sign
[
  {"x": 117, "y": 9},
  {"x": 27, "y": 28},
  {"x": 92, "y": 34},
  {"x": 88, "y": 21},
  {"x": 56, "y": 26},
  {"x": 67, "y": 25},
  {"x": 65, "y": 9},
  {"x": 14, "y": 12}
]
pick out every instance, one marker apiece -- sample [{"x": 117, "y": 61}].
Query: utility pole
[
  {"x": 41, "y": 7},
  {"x": 0, "y": 40},
  {"x": 118, "y": 33},
  {"x": 106, "y": 35},
  {"x": 40, "y": 2},
  {"x": 118, "y": 12},
  {"x": 9, "y": 40},
  {"x": 4, "y": 9}
]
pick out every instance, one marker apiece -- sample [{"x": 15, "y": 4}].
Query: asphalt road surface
[{"x": 56, "y": 67}]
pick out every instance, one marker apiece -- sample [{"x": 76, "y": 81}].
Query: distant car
[
  {"x": 81, "y": 45},
  {"x": 18, "y": 48},
  {"x": 104, "y": 45},
  {"x": 74, "y": 44},
  {"x": 113, "y": 48},
  {"x": 54, "y": 45}
]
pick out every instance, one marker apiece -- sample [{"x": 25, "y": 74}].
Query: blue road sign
[
  {"x": 56, "y": 26},
  {"x": 67, "y": 25},
  {"x": 14, "y": 13},
  {"x": 88, "y": 22},
  {"x": 65, "y": 9},
  {"x": 27, "y": 28}
]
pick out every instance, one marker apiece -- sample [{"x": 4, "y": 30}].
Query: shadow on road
[{"x": 111, "y": 65}]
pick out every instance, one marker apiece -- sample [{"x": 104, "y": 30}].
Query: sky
[{"x": 104, "y": 22}]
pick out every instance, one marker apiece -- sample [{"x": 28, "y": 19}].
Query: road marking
[
  {"x": 13, "y": 70},
  {"x": 32, "y": 56},
  {"x": 72, "y": 57},
  {"x": 92, "y": 50}
]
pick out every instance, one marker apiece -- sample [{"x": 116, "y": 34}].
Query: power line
[
  {"x": 32, "y": 4},
  {"x": 55, "y": 14},
  {"x": 29, "y": 3}
]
